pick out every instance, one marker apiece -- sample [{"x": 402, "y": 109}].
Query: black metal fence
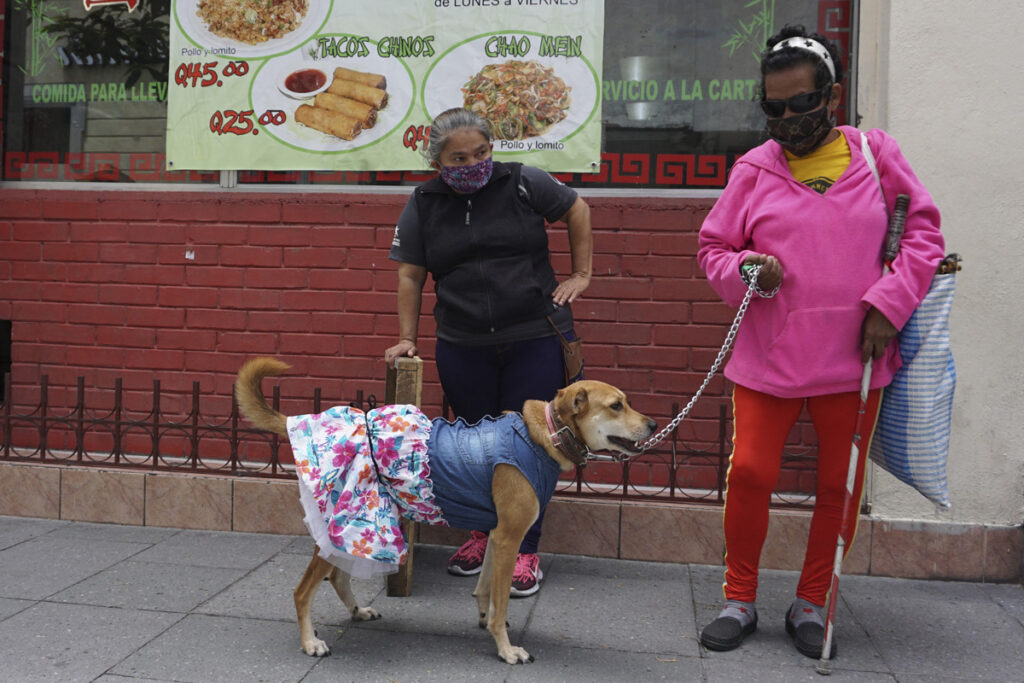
[{"x": 120, "y": 437}]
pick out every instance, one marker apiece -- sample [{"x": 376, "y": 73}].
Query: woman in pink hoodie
[{"x": 806, "y": 206}]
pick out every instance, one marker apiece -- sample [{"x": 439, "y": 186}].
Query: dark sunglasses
[{"x": 798, "y": 104}]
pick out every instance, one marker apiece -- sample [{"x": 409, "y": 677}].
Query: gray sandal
[
  {"x": 730, "y": 628},
  {"x": 808, "y": 634}
]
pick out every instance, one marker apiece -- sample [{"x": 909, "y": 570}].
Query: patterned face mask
[
  {"x": 802, "y": 133},
  {"x": 466, "y": 179}
]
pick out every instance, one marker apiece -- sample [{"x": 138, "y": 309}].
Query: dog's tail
[{"x": 251, "y": 402}]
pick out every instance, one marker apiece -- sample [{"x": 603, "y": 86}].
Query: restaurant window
[
  {"x": 85, "y": 86},
  {"x": 681, "y": 83},
  {"x": 85, "y": 92}
]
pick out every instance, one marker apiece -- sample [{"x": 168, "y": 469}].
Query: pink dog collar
[{"x": 570, "y": 446}]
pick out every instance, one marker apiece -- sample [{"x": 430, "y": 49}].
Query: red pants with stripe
[{"x": 761, "y": 424}]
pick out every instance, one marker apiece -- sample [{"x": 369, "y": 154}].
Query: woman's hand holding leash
[
  {"x": 762, "y": 274},
  {"x": 770, "y": 276}
]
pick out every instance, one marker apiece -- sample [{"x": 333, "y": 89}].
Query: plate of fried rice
[{"x": 251, "y": 28}]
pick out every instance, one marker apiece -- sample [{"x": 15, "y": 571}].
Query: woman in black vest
[{"x": 479, "y": 230}]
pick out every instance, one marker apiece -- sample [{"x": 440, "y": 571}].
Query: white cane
[
  {"x": 891, "y": 247},
  {"x": 837, "y": 563}
]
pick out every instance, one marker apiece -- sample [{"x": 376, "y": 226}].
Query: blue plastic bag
[{"x": 911, "y": 439}]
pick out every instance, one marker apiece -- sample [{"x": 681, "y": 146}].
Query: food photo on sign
[
  {"x": 532, "y": 102},
  {"x": 251, "y": 28},
  {"x": 333, "y": 104}
]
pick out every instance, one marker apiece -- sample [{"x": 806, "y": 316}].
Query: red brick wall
[{"x": 99, "y": 285}]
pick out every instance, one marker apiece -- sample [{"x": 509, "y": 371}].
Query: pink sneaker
[
  {"x": 468, "y": 559},
  {"x": 527, "y": 575}
]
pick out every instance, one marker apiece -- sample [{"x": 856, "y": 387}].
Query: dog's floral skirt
[{"x": 358, "y": 472}]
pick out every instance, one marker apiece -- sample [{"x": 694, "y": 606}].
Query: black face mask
[{"x": 801, "y": 133}]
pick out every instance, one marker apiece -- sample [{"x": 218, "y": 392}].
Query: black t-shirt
[
  {"x": 547, "y": 197},
  {"x": 542, "y": 192}
]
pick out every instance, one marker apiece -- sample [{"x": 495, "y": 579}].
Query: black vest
[{"x": 487, "y": 252}]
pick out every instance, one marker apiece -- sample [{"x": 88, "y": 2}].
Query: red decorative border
[
  {"x": 98, "y": 167},
  {"x": 675, "y": 171}
]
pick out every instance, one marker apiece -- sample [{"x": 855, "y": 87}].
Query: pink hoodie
[{"x": 806, "y": 341}]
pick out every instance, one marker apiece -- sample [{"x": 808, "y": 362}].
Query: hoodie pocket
[{"x": 817, "y": 346}]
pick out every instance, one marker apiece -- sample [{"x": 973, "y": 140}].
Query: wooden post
[
  {"x": 405, "y": 381},
  {"x": 404, "y": 385}
]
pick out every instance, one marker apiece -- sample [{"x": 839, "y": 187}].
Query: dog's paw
[
  {"x": 365, "y": 614},
  {"x": 316, "y": 648},
  {"x": 515, "y": 655}
]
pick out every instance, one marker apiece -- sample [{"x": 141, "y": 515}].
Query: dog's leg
[
  {"x": 316, "y": 571},
  {"x": 342, "y": 583},
  {"x": 483, "y": 586},
  {"x": 517, "y": 508}
]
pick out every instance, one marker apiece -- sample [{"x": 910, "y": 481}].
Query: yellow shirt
[{"x": 822, "y": 167}]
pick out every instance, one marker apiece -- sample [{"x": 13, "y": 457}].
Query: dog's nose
[{"x": 651, "y": 425}]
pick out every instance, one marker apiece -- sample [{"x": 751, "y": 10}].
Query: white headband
[{"x": 809, "y": 45}]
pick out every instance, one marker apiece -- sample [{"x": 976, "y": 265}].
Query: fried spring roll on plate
[
  {"x": 375, "y": 97},
  {"x": 327, "y": 121},
  {"x": 364, "y": 113},
  {"x": 372, "y": 80}
]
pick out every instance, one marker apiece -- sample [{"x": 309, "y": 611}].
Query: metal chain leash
[{"x": 752, "y": 288}]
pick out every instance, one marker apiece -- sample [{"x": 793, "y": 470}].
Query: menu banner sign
[{"x": 354, "y": 84}]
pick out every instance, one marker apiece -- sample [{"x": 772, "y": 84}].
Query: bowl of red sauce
[{"x": 303, "y": 82}]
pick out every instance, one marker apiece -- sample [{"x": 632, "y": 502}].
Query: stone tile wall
[{"x": 614, "y": 529}]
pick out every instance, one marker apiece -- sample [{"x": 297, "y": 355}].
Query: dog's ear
[{"x": 579, "y": 401}]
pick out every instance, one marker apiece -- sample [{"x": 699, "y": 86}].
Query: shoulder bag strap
[
  {"x": 561, "y": 337},
  {"x": 865, "y": 148}
]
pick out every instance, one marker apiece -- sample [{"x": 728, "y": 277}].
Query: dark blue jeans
[{"x": 487, "y": 380}]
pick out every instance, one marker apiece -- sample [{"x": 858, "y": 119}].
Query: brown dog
[{"x": 586, "y": 416}]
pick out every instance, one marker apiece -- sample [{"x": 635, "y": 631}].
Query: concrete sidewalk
[{"x": 107, "y": 603}]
